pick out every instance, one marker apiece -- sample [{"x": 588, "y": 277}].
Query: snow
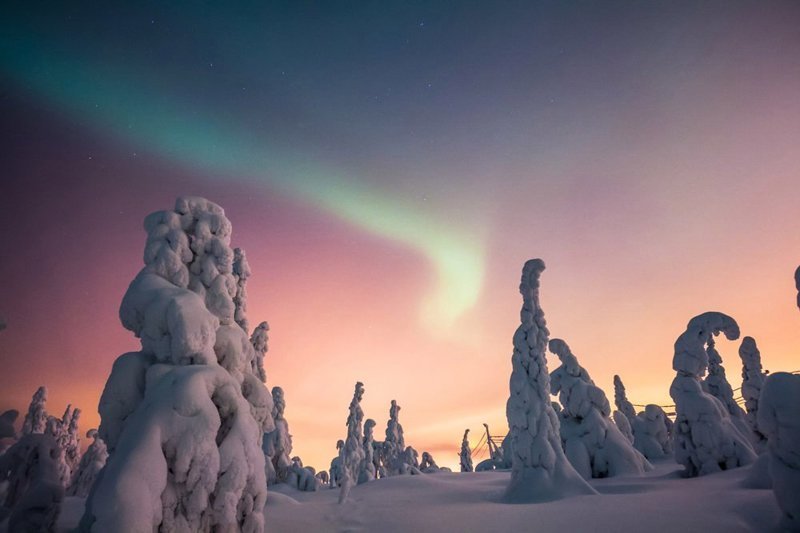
[
  {"x": 92, "y": 461},
  {"x": 716, "y": 384},
  {"x": 277, "y": 444},
  {"x": 36, "y": 418},
  {"x": 592, "y": 442},
  {"x": 705, "y": 438},
  {"x": 652, "y": 433},
  {"x": 752, "y": 381},
  {"x": 624, "y": 425},
  {"x": 183, "y": 418},
  {"x": 33, "y": 490},
  {"x": 539, "y": 469},
  {"x": 473, "y": 502},
  {"x": 7, "y": 420},
  {"x": 465, "y": 457},
  {"x": 371, "y": 462},
  {"x": 621, "y": 400},
  {"x": 353, "y": 451},
  {"x": 779, "y": 420}
]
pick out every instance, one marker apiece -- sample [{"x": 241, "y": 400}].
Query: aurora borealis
[{"x": 389, "y": 168}]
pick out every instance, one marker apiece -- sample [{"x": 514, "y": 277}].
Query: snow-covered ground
[{"x": 659, "y": 501}]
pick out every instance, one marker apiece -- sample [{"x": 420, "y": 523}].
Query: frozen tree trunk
[
  {"x": 183, "y": 418},
  {"x": 353, "y": 450},
  {"x": 466, "y": 454},
  {"x": 624, "y": 425},
  {"x": 36, "y": 418},
  {"x": 752, "y": 382},
  {"x": 593, "y": 443},
  {"x": 368, "y": 472},
  {"x": 779, "y": 420},
  {"x": 34, "y": 492},
  {"x": 716, "y": 384},
  {"x": 705, "y": 438},
  {"x": 621, "y": 400},
  {"x": 394, "y": 446},
  {"x": 539, "y": 469},
  {"x": 89, "y": 467}
]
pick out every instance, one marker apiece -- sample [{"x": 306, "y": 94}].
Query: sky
[{"x": 389, "y": 167}]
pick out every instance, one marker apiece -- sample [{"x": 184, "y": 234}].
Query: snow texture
[
  {"x": 353, "y": 451},
  {"x": 336, "y": 465},
  {"x": 369, "y": 469},
  {"x": 752, "y": 382},
  {"x": 465, "y": 457},
  {"x": 427, "y": 465},
  {"x": 241, "y": 271},
  {"x": 394, "y": 446},
  {"x": 621, "y": 400},
  {"x": 539, "y": 469},
  {"x": 301, "y": 477},
  {"x": 623, "y": 424},
  {"x": 65, "y": 433},
  {"x": 704, "y": 437},
  {"x": 716, "y": 383},
  {"x": 278, "y": 443},
  {"x": 92, "y": 461},
  {"x": 592, "y": 442},
  {"x": 36, "y": 418},
  {"x": 260, "y": 340},
  {"x": 34, "y": 491},
  {"x": 779, "y": 420},
  {"x": 651, "y": 433},
  {"x": 183, "y": 418}
]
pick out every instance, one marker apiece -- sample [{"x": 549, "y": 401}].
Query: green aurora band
[{"x": 138, "y": 111}]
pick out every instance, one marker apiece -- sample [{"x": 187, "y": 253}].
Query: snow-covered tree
[
  {"x": 651, "y": 433},
  {"x": 621, "y": 400},
  {"x": 34, "y": 491},
  {"x": 183, "y": 417},
  {"x": 411, "y": 460},
  {"x": 260, "y": 341},
  {"x": 427, "y": 465},
  {"x": 36, "y": 418},
  {"x": 465, "y": 457},
  {"x": 623, "y": 424},
  {"x": 353, "y": 450},
  {"x": 301, "y": 477},
  {"x": 336, "y": 465},
  {"x": 65, "y": 433},
  {"x": 278, "y": 443},
  {"x": 368, "y": 470},
  {"x": 752, "y": 382},
  {"x": 716, "y": 383},
  {"x": 241, "y": 271},
  {"x": 539, "y": 469},
  {"x": 593, "y": 443},
  {"x": 704, "y": 437},
  {"x": 7, "y": 430},
  {"x": 779, "y": 420},
  {"x": 92, "y": 461},
  {"x": 395, "y": 445}
]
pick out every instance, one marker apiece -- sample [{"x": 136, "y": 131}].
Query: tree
[
  {"x": 779, "y": 420},
  {"x": 353, "y": 450},
  {"x": 466, "y": 453},
  {"x": 752, "y": 382},
  {"x": 36, "y": 418},
  {"x": 593, "y": 443},
  {"x": 90, "y": 465},
  {"x": 539, "y": 469},
  {"x": 705, "y": 438},
  {"x": 183, "y": 417}
]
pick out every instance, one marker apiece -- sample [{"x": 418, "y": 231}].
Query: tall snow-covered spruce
[
  {"x": 465, "y": 457},
  {"x": 353, "y": 450},
  {"x": 593, "y": 444},
  {"x": 705, "y": 438},
  {"x": 752, "y": 382},
  {"x": 539, "y": 469},
  {"x": 183, "y": 417}
]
